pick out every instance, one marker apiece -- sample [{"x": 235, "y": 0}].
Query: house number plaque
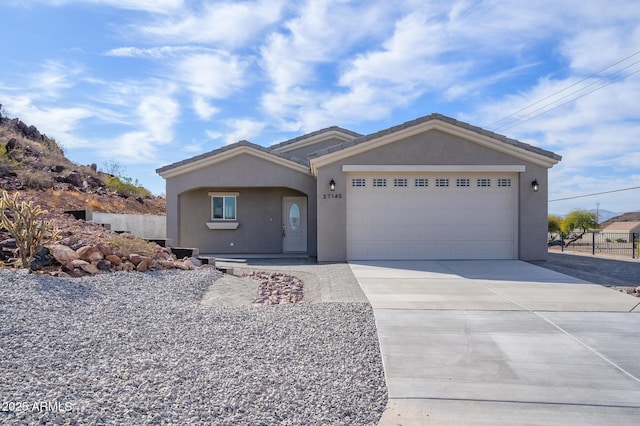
[{"x": 331, "y": 195}]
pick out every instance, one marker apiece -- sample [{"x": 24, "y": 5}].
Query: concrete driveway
[{"x": 502, "y": 342}]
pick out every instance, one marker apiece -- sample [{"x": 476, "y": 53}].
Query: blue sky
[{"x": 145, "y": 83}]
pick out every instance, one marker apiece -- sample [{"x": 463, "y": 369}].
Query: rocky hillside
[
  {"x": 625, "y": 217},
  {"x": 34, "y": 166}
]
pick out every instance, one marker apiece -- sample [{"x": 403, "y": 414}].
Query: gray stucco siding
[
  {"x": 259, "y": 217},
  {"x": 431, "y": 148},
  {"x": 188, "y": 205}
]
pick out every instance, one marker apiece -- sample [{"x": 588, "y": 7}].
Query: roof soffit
[{"x": 322, "y": 159}]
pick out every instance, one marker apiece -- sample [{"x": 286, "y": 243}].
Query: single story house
[
  {"x": 431, "y": 188},
  {"x": 622, "y": 230}
]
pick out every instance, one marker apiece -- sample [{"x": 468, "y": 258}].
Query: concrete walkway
[{"x": 502, "y": 342}]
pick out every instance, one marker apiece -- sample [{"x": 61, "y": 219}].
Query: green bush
[{"x": 124, "y": 186}]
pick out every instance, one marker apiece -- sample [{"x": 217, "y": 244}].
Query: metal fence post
[
  {"x": 562, "y": 245},
  {"x": 593, "y": 243},
  {"x": 634, "y": 239}
]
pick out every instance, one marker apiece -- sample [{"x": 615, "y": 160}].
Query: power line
[
  {"x": 517, "y": 121},
  {"x": 595, "y": 193},
  {"x": 525, "y": 119},
  {"x": 566, "y": 88}
]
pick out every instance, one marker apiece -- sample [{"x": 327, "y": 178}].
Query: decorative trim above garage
[{"x": 358, "y": 168}]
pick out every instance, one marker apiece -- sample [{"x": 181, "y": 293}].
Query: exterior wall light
[
  {"x": 535, "y": 185},
  {"x": 332, "y": 185}
]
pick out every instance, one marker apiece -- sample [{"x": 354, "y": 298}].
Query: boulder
[
  {"x": 135, "y": 258},
  {"x": 62, "y": 253},
  {"x": 143, "y": 266},
  {"x": 78, "y": 263},
  {"x": 104, "y": 265},
  {"x": 90, "y": 268},
  {"x": 89, "y": 253},
  {"x": 115, "y": 260}
]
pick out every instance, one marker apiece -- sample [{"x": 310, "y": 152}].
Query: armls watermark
[{"x": 37, "y": 406}]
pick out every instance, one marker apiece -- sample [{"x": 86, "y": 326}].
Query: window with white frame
[
  {"x": 504, "y": 182},
  {"x": 379, "y": 182},
  {"x": 463, "y": 182},
  {"x": 421, "y": 182},
  {"x": 223, "y": 207},
  {"x": 442, "y": 182},
  {"x": 484, "y": 182},
  {"x": 358, "y": 182}
]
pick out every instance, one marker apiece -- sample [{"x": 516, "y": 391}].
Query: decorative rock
[
  {"x": 113, "y": 259},
  {"x": 78, "y": 263},
  {"x": 90, "y": 268},
  {"x": 135, "y": 258},
  {"x": 62, "y": 253},
  {"x": 143, "y": 266},
  {"x": 89, "y": 253},
  {"x": 105, "y": 250},
  {"x": 104, "y": 265}
]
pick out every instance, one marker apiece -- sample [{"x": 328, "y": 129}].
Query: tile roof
[
  {"x": 358, "y": 139},
  {"x": 315, "y": 133},
  {"x": 228, "y": 148},
  {"x": 440, "y": 117}
]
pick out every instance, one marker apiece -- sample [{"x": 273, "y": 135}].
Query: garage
[{"x": 432, "y": 215}]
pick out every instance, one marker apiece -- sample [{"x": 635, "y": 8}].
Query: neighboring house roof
[
  {"x": 355, "y": 143},
  {"x": 623, "y": 227}
]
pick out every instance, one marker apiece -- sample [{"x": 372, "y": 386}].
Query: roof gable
[
  {"x": 222, "y": 154},
  {"x": 333, "y": 132},
  {"x": 439, "y": 122}
]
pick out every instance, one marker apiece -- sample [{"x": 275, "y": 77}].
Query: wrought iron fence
[{"x": 621, "y": 244}]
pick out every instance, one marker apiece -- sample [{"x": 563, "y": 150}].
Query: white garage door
[{"x": 432, "y": 216}]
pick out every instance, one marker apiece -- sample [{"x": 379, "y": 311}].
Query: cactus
[{"x": 24, "y": 222}]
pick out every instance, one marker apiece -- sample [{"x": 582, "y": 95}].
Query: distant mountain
[
  {"x": 604, "y": 215},
  {"x": 624, "y": 217}
]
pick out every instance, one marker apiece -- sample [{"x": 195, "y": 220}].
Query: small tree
[
  {"x": 24, "y": 223},
  {"x": 577, "y": 223},
  {"x": 555, "y": 223}
]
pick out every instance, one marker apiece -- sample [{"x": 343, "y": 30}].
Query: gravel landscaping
[{"x": 134, "y": 348}]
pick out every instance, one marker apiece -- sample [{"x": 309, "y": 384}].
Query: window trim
[{"x": 224, "y": 196}]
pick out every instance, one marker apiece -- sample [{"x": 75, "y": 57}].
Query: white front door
[{"x": 294, "y": 224}]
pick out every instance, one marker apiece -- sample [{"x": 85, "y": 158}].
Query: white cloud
[
  {"x": 203, "y": 108},
  {"x": 212, "y": 75},
  {"x": 158, "y": 113},
  {"x": 135, "y": 147},
  {"x": 237, "y": 130},
  {"x": 153, "y": 52},
  {"x": 229, "y": 23},
  {"x": 57, "y": 122},
  {"x": 154, "y": 6}
]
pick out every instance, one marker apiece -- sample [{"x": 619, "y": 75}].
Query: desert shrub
[
  {"x": 38, "y": 180},
  {"x": 126, "y": 187},
  {"x": 125, "y": 244},
  {"x": 25, "y": 224}
]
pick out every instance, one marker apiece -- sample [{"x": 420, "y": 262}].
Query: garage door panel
[{"x": 432, "y": 222}]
